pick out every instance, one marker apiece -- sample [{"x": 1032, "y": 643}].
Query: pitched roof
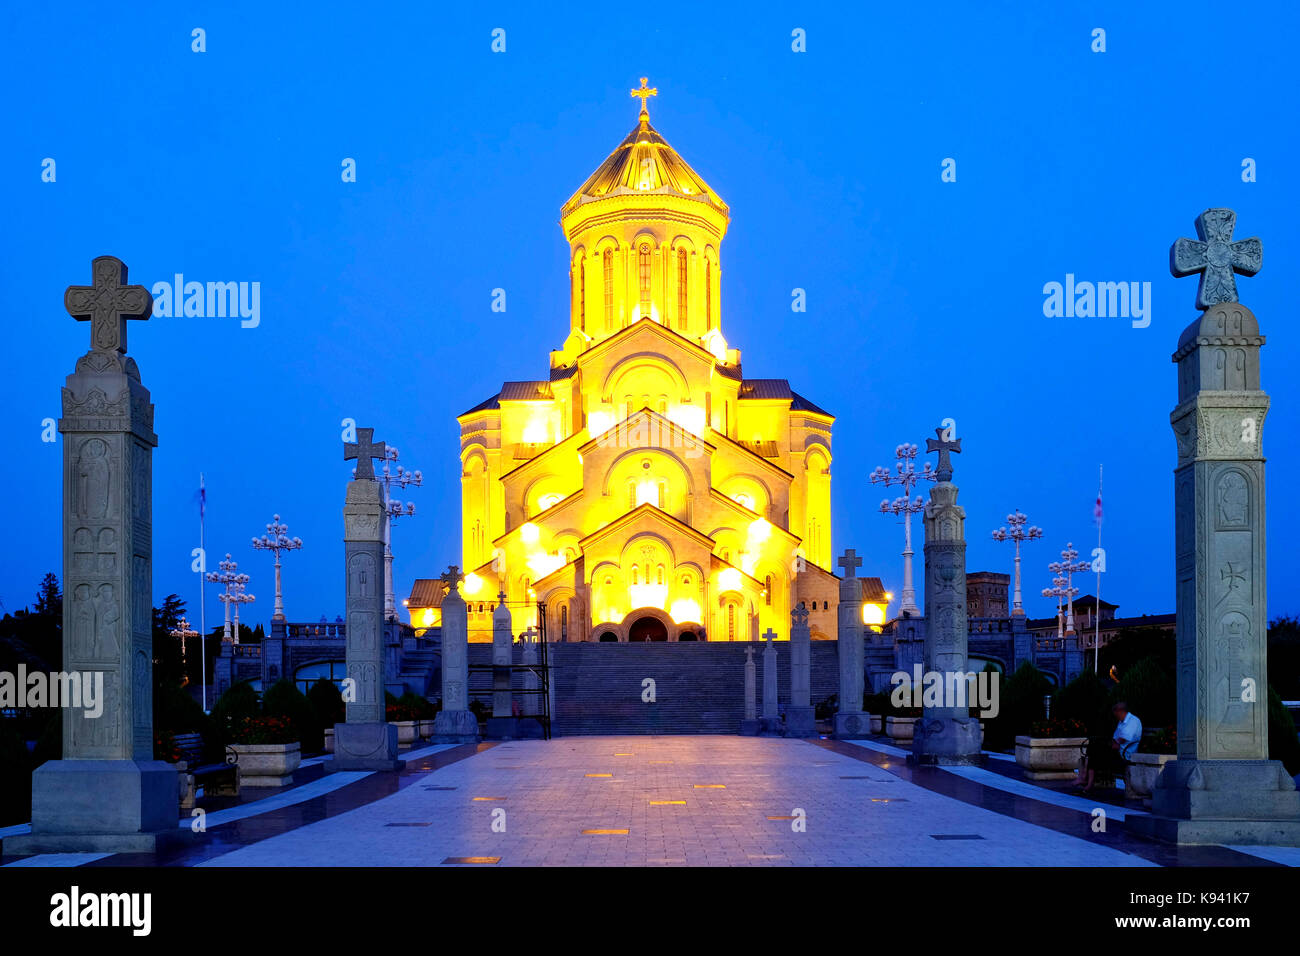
[
  {"x": 873, "y": 591},
  {"x": 525, "y": 392},
  {"x": 778, "y": 388},
  {"x": 427, "y": 592}
]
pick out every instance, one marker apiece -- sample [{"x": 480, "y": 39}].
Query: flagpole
[
  {"x": 1096, "y": 638},
  {"x": 203, "y": 598}
]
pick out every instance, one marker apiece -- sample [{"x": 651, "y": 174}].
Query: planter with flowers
[
  {"x": 1155, "y": 750},
  {"x": 1052, "y": 750},
  {"x": 268, "y": 750}
]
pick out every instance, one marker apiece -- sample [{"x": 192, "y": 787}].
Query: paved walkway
[{"x": 681, "y": 800}]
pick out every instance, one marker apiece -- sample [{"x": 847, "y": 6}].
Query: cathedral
[{"x": 645, "y": 489}]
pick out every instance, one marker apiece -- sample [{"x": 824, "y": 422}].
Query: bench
[{"x": 217, "y": 778}]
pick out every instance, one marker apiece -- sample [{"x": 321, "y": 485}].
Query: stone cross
[
  {"x": 1216, "y": 257},
  {"x": 945, "y": 734},
  {"x": 502, "y": 658},
  {"x": 1222, "y": 787},
  {"x": 850, "y": 722},
  {"x": 751, "y": 685},
  {"x": 363, "y": 450},
  {"x": 107, "y": 304},
  {"x": 365, "y": 741},
  {"x": 943, "y": 447},
  {"x": 451, "y": 577},
  {"x": 770, "y": 706},
  {"x": 800, "y": 721},
  {"x": 850, "y": 563},
  {"x": 106, "y": 793},
  {"x": 455, "y": 723},
  {"x": 532, "y": 682}
]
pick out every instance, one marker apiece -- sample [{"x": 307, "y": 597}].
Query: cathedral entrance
[{"x": 648, "y": 629}]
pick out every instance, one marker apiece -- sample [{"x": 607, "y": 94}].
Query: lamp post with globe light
[
  {"x": 1067, "y": 567},
  {"x": 276, "y": 540},
  {"x": 1015, "y": 530},
  {"x": 391, "y": 477},
  {"x": 906, "y": 475}
]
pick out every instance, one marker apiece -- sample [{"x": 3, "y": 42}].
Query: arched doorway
[
  {"x": 648, "y": 629},
  {"x": 609, "y": 637}
]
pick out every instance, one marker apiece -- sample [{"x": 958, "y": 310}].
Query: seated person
[{"x": 1109, "y": 761}]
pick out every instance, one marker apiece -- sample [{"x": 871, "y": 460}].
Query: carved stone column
[
  {"x": 365, "y": 741},
  {"x": 946, "y": 734},
  {"x": 1222, "y": 788},
  {"x": 107, "y": 794},
  {"x": 850, "y": 721},
  {"x": 456, "y": 723}
]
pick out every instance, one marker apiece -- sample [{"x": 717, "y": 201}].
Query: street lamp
[
  {"x": 228, "y": 574},
  {"x": 183, "y": 630},
  {"x": 1068, "y": 567},
  {"x": 906, "y": 475},
  {"x": 1017, "y": 532},
  {"x": 240, "y": 597},
  {"x": 390, "y": 478},
  {"x": 276, "y": 540}
]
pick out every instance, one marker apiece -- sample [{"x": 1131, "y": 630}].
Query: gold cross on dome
[{"x": 645, "y": 93}]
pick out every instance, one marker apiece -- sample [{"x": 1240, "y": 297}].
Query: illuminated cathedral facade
[{"x": 645, "y": 489}]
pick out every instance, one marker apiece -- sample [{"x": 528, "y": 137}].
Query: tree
[{"x": 49, "y": 599}]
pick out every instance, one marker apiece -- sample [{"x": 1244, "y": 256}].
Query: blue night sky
[{"x": 925, "y": 299}]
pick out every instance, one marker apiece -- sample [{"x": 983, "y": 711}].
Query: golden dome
[{"x": 644, "y": 164}]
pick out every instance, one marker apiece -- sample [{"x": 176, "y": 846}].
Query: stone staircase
[{"x": 699, "y": 688}]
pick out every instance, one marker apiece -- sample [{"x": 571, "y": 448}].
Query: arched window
[
  {"x": 609, "y": 290},
  {"x": 644, "y": 271},
  {"x": 564, "y": 622},
  {"x": 767, "y": 590},
  {"x": 681, "y": 289},
  {"x": 659, "y": 574},
  {"x": 731, "y": 622},
  {"x": 636, "y": 575},
  {"x": 582, "y": 293},
  {"x": 826, "y": 605}
]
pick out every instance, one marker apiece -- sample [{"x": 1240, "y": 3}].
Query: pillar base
[
  {"x": 455, "y": 727},
  {"x": 1252, "y": 802},
  {"x": 800, "y": 722},
  {"x": 851, "y": 726},
  {"x": 102, "y": 806},
  {"x": 770, "y": 727},
  {"x": 370, "y": 746},
  {"x": 946, "y": 740},
  {"x": 749, "y": 727}
]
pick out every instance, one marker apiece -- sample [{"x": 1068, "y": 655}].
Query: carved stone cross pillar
[
  {"x": 1222, "y": 788},
  {"x": 107, "y": 794},
  {"x": 366, "y": 741}
]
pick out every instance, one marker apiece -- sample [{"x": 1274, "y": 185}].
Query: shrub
[
  {"x": 1150, "y": 692},
  {"x": 328, "y": 702},
  {"x": 825, "y": 709},
  {"x": 284, "y": 699},
  {"x": 1085, "y": 699},
  {"x": 1019, "y": 705},
  {"x": 1283, "y": 744},
  {"x": 15, "y": 777},
  {"x": 237, "y": 703}
]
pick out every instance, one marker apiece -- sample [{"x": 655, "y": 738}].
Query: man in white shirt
[
  {"x": 1123, "y": 744},
  {"x": 1128, "y": 732}
]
